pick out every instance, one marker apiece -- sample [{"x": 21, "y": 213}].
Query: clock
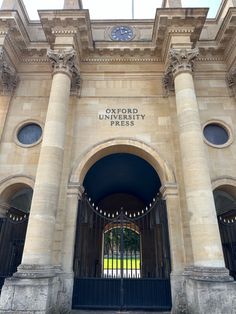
[{"x": 122, "y": 33}]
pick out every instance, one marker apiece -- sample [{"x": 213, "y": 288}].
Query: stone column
[
  {"x": 34, "y": 288},
  {"x": 205, "y": 237},
  {"x": 39, "y": 237},
  {"x": 206, "y": 286}
]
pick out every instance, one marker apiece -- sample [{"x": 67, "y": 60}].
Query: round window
[
  {"x": 29, "y": 134},
  {"x": 216, "y": 134}
]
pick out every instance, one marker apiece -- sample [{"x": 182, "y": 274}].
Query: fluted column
[
  {"x": 40, "y": 232},
  {"x": 205, "y": 237}
]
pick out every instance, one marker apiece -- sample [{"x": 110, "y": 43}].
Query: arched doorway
[
  {"x": 16, "y": 202},
  {"x": 225, "y": 202},
  {"x": 122, "y": 258}
]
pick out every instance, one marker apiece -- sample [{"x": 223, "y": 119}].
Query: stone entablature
[{"x": 152, "y": 37}]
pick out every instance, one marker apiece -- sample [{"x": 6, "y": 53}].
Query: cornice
[
  {"x": 177, "y": 22},
  {"x": 72, "y": 23}
]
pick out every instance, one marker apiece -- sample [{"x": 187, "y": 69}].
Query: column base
[
  {"x": 32, "y": 289},
  {"x": 65, "y": 292},
  {"x": 205, "y": 290}
]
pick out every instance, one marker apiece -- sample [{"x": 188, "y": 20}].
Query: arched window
[{"x": 121, "y": 251}]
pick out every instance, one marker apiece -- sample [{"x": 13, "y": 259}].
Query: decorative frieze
[{"x": 8, "y": 76}]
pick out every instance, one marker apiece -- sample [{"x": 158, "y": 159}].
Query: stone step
[{"x": 115, "y": 312}]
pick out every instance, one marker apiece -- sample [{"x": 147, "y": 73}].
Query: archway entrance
[
  {"x": 225, "y": 201},
  {"x": 13, "y": 225},
  {"x": 122, "y": 258}
]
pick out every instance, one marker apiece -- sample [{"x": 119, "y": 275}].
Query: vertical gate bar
[
  {"x": 146, "y": 239},
  {"x": 108, "y": 251},
  {"x": 112, "y": 249},
  {"x": 116, "y": 253},
  {"x": 126, "y": 268},
  {"x": 121, "y": 259},
  {"x": 96, "y": 224}
]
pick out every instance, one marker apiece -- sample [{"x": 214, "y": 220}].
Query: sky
[{"x": 117, "y": 9}]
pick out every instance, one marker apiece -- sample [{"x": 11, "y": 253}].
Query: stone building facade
[{"x": 150, "y": 88}]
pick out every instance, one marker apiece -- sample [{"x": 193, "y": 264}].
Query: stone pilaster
[
  {"x": 74, "y": 194},
  {"x": 36, "y": 273},
  {"x": 8, "y": 75},
  {"x": 231, "y": 80},
  {"x": 170, "y": 195},
  {"x": 8, "y": 83}
]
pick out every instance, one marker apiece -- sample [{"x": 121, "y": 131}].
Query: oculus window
[
  {"x": 216, "y": 134},
  {"x": 29, "y": 134}
]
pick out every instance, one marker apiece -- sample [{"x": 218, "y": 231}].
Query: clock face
[{"x": 122, "y": 33}]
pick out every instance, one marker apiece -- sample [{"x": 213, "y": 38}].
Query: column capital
[
  {"x": 179, "y": 61},
  {"x": 182, "y": 60},
  {"x": 8, "y": 75},
  {"x": 63, "y": 61}
]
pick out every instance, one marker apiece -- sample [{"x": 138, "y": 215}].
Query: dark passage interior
[{"x": 122, "y": 229}]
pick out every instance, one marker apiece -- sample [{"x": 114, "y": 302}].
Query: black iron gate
[
  {"x": 12, "y": 237},
  {"x": 122, "y": 258},
  {"x": 227, "y": 226}
]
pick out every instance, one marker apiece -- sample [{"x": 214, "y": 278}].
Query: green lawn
[{"x": 116, "y": 263}]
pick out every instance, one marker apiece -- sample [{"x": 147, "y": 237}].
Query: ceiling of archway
[{"x": 122, "y": 173}]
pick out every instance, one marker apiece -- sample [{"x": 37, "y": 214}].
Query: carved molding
[
  {"x": 180, "y": 60},
  {"x": 217, "y": 274},
  {"x": 8, "y": 75}
]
